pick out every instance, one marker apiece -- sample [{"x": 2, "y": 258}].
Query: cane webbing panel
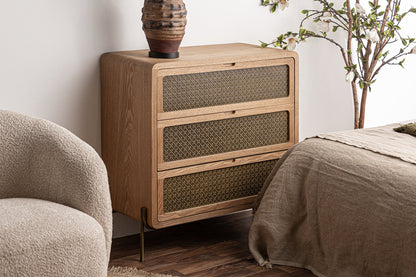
[
  {"x": 198, "y": 189},
  {"x": 213, "y": 137},
  {"x": 189, "y": 91}
]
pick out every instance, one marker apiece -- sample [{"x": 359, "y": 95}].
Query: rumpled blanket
[{"x": 341, "y": 204}]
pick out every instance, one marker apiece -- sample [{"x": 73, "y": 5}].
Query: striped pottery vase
[{"x": 164, "y": 25}]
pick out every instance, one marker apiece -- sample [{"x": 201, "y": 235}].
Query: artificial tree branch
[
  {"x": 388, "y": 62},
  {"x": 373, "y": 32},
  {"x": 349, "y": 51},
  {"x": 309, "y": 16},
  {"x": 349, "y": 40},
  {"x": 360, "y": 41},
  {"x": 334, "y": 11},
  {"x": 344, "y": 55},
  {"x": 379, "y": 46},
  {"x": 355, "y": 101},
  {"x": 339, "y": 25},
  {"x": 368, "y": 68}
]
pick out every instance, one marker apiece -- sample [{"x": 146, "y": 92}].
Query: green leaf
[
  {"x": 265, "y": 2},
  {"x": 305, "y": 12},
  {"x": 390, "y": 24},
  {"x": 404, "y": 41},
  {"x": 310, "y": 33},
  {"x": 334, "y": 29},
  {"x": 371, "y": 4}
]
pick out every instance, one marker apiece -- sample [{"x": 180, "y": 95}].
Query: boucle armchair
[{"x": 55, "y": 208}]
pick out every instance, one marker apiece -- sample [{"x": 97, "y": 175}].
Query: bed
[{"x": 341, "y": 204}]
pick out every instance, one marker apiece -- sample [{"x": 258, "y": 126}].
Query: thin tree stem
[
  {"x": 356, "y": 109},
  {"x": 363, "y": 106}
]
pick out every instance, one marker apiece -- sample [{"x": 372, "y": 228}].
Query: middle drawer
[{"x": 202, "y": 139}]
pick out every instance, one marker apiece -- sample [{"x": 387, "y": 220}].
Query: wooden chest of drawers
[{"x": 195, "y": 137}]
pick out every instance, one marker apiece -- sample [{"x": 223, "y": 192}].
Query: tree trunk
[
  {"x": 356, "y": 105},
  {"x": 363, "y": 104}
]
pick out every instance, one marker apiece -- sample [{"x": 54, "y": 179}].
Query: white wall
[
  {"x": 50, "y": 49},
  {"x": 394, "y": 94}
]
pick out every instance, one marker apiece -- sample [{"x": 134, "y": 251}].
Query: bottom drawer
[{"x": 222, "y": 187}]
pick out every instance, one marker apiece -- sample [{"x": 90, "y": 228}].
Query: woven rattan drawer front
[
  {"x": 197, "y": 90},
  {"x": 220, "y": 136},
  {"x": 209, "y": 187}
]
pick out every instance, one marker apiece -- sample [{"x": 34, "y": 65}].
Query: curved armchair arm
[{"x": 39, "y": 159}]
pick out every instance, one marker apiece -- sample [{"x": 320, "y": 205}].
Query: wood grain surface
[
  {"x": 133, "y": 123},
  {"x": 208, "y": 248}
]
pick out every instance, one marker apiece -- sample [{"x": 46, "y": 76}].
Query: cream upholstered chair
[{"x": 55, "y": 208}]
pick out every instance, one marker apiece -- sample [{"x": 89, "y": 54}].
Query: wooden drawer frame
[
  {"x": 161, "y": 115},
  {"x": 162, "y": 165},
  {"x": 132, "y": 84},
  {"x": 183, "y": 214}
]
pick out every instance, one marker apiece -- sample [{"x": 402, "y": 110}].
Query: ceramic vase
[{"x": 164, "y": 24}]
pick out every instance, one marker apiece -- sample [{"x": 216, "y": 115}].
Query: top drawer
[
  {"x": 190, "y": 91},
  {"x": 224, "y": 87}
]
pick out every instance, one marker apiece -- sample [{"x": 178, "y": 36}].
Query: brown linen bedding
[{"x": 343, "y": 204}]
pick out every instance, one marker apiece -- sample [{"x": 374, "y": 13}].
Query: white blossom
[
  {"x": 350, "y": 77},
  {"x": 359, "y": 8},
  {"x": 413, "y": 51},
  {"x": 283, "y": 4},
  {"x": 291, "y": 43},
  {"x": 324, "y": 26},
  {"x": 372, "y": 35},
  {"x": 326, "y": 16}
]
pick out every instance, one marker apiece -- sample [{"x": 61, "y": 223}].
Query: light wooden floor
[{"x": 213, "y": 247}]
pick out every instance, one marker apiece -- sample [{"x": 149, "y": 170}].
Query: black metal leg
[{"x": 143, "y": 222}]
